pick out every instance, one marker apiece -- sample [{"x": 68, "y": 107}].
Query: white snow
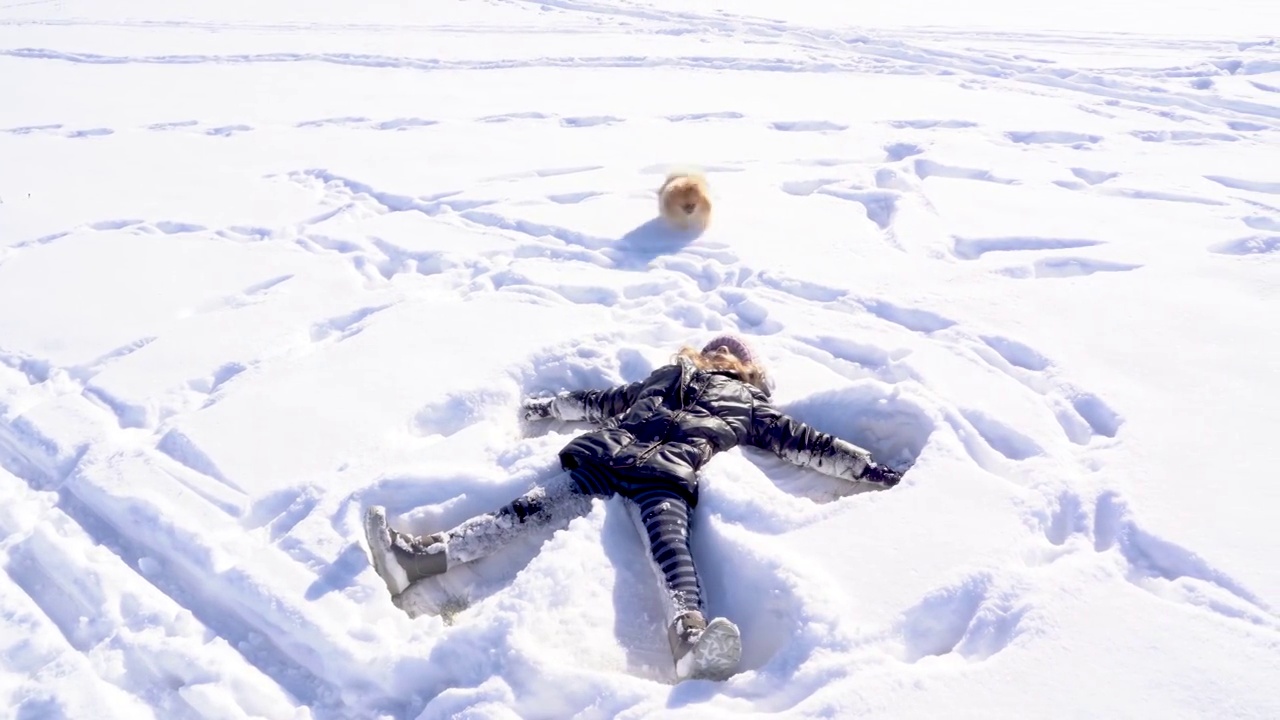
[{"x": 265, "y": 264}]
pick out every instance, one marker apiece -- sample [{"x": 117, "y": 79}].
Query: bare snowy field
[{"x": 264, "y": 264}]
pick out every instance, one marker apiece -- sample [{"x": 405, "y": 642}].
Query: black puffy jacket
[{"x": 670, "y": 424}]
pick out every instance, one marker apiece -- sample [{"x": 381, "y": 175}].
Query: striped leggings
[{"x": 658, "y": 511}]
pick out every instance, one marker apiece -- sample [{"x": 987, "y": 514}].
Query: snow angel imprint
[{"x": 654, "y": 436}]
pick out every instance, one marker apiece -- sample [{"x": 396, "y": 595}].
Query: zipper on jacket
[{"x": 673, "y": 423}]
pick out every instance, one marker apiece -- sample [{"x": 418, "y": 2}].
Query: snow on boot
[
  {"x": 398, "y": 558},
  {"x": 704, "y": 651}
]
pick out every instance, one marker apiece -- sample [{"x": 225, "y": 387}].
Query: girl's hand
[
  {"x": 881, "y": 475},
  {"x": 541, "y": 408}
]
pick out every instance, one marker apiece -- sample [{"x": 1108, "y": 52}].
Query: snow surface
[{"x": 263, "y": 264}]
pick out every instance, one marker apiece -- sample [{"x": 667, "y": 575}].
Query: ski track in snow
[{"x": 150, "y": 576}]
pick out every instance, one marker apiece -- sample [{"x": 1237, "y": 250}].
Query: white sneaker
[{"x": 705, "y": 651}]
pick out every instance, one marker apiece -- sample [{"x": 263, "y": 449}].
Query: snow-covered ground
[{"x": 263, "y": 264}]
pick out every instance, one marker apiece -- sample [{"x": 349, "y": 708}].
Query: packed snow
[{"x": 265, "y": 264}]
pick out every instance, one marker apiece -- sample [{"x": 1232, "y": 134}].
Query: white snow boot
[
  {"x": 702, "y": 650},
  {"x": 401, "y": 559}
]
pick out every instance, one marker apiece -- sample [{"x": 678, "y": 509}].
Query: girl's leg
[
  {"x": 700, "y": 649},
  {"x": 401, "y": 558},
  {"x": 663, "y": 517},
  {"x": 550, "y": 505}
]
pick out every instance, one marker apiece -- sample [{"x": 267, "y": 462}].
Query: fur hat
[{"x": 734, "y": 344}]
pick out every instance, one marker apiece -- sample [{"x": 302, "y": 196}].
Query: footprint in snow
[
  {"x": 1016, "y": 353},
  {"x": 1001, "y": 437},
  {"x": 341, "y": 120},
  {"x": 925, "y": 168},
  {"x": 115, "y": 224},
  {"x": 173, "y": 125},
  {"x": 1093, "y": 177},
  {"x": 1258, "y": 186},
  {"x": 1101, "y": 418},
  {"x": 895, "y": 152},
  {"x": 1262, "y": 222},
  {"x": 171, "y": 227},
  {"x": 406, "y": 123},
  {"x": 913, "y": 319},
  {"x": 1185, "y": 137},
  {"x": 29, "y": 129},
  {"x": 1246, "y": 126},
  {"x": 974, "y": 248},
  {"x": 973, "y": 619},
  {"x": 1158, "y": 195},
  {"x": 573, "y": 197},
  {"x": 1105, "y": 524},
  {"x": 880, "y": 205},
  {"x": 280, "y": 511},
  {"x": 1252, "y": 245},
  {"x": 346, "y": 325},
  {"x": 508, "y": 117},
  {"x": 1064, "y": 267},
  {"x": 589, "y": 121},
  {"x": 227, "y": 130},
  {"x": 926, "y": 124},
  {"x": 694, "y": 117},
  {"x": 808, "y": 126},
  {"x": 1081, "y": 415},
  {"x": 857, "y": 360},
  {"x": 1054, "y": 137}
]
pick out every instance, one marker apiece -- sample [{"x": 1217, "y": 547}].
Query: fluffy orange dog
[{"x": 684, "y": 202}]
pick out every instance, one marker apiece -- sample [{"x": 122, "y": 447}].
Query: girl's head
[{"x": 733, "y": 354}]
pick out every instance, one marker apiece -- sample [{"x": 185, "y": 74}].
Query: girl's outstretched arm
[
  {"x": 583, "y": 405},
  {"x": 806, "y": 446},
  {"x": 596, "y": 406}
]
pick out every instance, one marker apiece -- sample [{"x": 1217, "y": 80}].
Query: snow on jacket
[{"x": 668, "y": 425}]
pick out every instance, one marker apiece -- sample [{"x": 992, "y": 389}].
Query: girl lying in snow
[{"x": 655, "y": 434}]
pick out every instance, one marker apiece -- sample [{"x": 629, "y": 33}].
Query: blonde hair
[{"x": 749, "y": 372}]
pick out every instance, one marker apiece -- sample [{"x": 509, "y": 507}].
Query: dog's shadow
[{"x": 649, "y": 241}]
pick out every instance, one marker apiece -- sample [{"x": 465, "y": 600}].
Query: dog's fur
[{"x": 684, "y": 200}]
